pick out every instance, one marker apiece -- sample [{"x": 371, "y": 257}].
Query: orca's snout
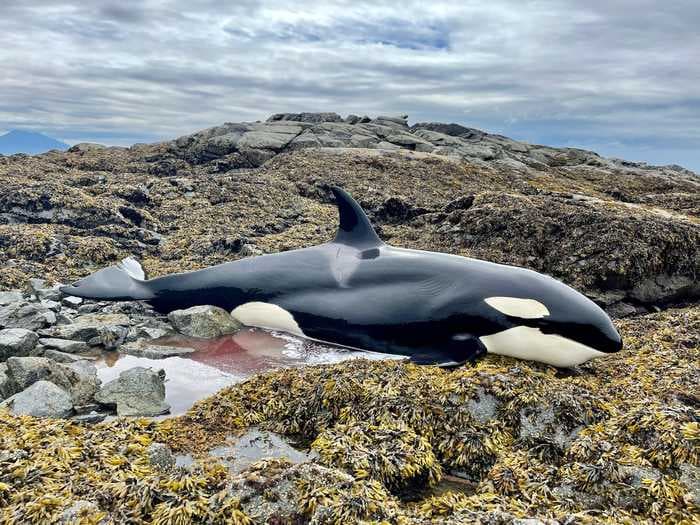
[{"x": 613, "y": 343}]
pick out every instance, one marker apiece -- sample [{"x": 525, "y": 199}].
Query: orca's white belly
[{"x": 525, "y": 342}]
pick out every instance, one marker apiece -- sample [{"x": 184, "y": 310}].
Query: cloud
[{"x": 550, "y": 71}]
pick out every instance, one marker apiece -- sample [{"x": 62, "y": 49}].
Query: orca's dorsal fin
[{"x": 355, "y": 228}]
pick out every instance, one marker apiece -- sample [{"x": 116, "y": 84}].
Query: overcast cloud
[{"x": 618, "y": 76}]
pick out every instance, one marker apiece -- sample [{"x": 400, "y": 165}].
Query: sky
[{"x": 621, "y": 77}]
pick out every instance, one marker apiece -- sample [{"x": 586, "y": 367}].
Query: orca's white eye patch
[{"x": 517, "y": 307}]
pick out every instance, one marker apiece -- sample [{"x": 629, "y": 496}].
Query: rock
[
  {"x": 255, "y": 445},
  {"x": 273, "y": 140},
  {"x": 306, "y": 117},
  {"x": 26, "y": 315},
  {"x": 110, "y": 337},
  {"x": 6, "y": 389},
  {"x": 62, "y": 357},
  {"x": 90, "y": 418},
  {"x": 17, "y": 342},
  {"x": 65, "y": 345},
  {"x": 10, "y": 297},
  {"x": 250, "y": 250},
  {"x": 150, "y": 329},
  {"x": 690, "y": 477},
  {"x": 80, "y": 378},
  {"x": 41, "y": 399},
  {"x": 136, "y": 392},
  {"x": 90, "y": 327},
  {"x": 143, "y": 348},
  {"x": 160, "y": 456},
  {"x": 71, "y": 301},
  {"x": 203, "y": 321},
  {"x": 80, "y": 512}
]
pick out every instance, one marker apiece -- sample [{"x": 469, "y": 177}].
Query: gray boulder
[
  {"x": 80, "y": 380},
  {"x": 17, "y": 342},
  {"x": 65, "y": 345},
  {"x": 136, "y": 392},
  {"x": 203, "y": 321},
  {"x": 26, "y": 315},
  {"x": 42, "y": 399}
]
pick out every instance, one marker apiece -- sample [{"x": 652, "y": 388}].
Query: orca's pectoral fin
[{"x": 466, "y": 350}]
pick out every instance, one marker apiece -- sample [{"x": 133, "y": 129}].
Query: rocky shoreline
[{"x": 505, "y": 441}]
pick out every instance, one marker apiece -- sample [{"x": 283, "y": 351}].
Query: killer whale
[{"x": 359, "y": 292}]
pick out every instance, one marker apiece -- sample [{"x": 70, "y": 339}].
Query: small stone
[
  {"x": 80, "y": 512},
  {"x": 160, "y": 456},
  {"x": 90, "y": 418},
  {"x": 203, "y": 321},
  {"x": 136, "y": 392},
  {"x": 42, "y": 399},
  {"x": 17, "y": 342},
  {"x": 71, "y": 301},
  {"x": 65, "y": 345}
]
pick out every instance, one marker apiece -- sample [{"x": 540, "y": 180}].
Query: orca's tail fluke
[{"x": 126, "y": 281}]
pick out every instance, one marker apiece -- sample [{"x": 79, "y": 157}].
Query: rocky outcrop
[{"x": 241, "y": 189}]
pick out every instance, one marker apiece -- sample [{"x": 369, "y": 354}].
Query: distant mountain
[{"x": 17, "y": 141}]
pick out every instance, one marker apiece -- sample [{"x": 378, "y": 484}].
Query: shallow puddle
[{"x": 217, "y": 363}]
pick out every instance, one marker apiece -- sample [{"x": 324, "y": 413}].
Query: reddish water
[{"x": 224, "y": 361}]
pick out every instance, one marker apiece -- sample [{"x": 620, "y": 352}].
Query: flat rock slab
[
  {"x": 143, "y": 348},
  {"x": 65, "y": 345},
  {"x": 255, "y": 445}
]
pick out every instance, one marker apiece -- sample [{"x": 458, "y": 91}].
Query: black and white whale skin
[{"x": 359, "y": 292}]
